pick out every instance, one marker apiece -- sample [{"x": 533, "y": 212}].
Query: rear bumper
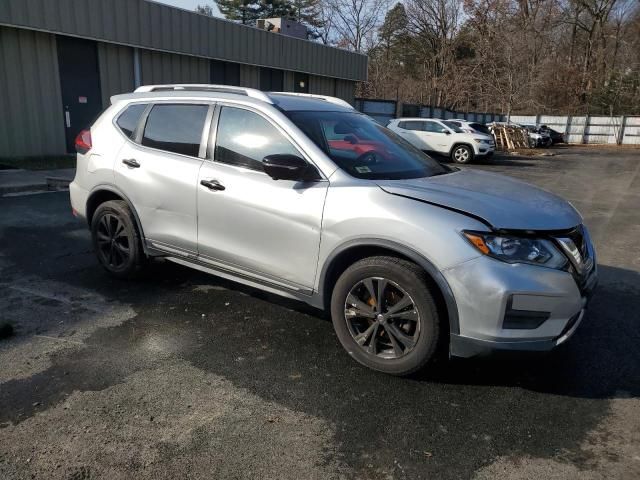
[{"x": 78, "y": 197}]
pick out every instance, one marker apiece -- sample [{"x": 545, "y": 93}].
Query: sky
[{"x": 191, "y": 4}]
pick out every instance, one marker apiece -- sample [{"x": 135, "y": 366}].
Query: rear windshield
[
  {"x": 363, "y": 148},
  {"x": 454, "y": 126},
  {"x": 480, "y": 128}
]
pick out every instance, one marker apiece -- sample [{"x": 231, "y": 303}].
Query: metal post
[
  {"x": 584, "y": 129},
  {"x": 623, "y": 124},
  {"x": 137, "y": 71}
]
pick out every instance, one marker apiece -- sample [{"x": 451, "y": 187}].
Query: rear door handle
[
  {"x": 212, "y": 185},
  {"x": 131, "y": 162}
]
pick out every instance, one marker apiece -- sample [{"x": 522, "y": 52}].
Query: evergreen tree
[
  {"x": 205, "y": 10},
  {"x": 308, "y": 13},
  {"x": 276, "y": 9},
  {"x": 245, "y": 11}
]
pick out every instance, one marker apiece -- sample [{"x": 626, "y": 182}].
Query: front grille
[
  {"x": 578, "y": 237},
  {"x": 582, "y": 267}
]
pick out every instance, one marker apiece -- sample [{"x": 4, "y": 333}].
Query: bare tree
[{"x": 356, "y": 22}]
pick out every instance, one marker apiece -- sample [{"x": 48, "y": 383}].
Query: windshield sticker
[{"x": 363, "y": 170}]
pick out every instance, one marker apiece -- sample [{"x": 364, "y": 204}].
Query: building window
[
  {"x": 301, "y": 83},
  {"x": 271, "y": 80},
  {"x": 224, "y": 73}
]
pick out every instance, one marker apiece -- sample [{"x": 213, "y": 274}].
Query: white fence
[{"x": 622, "y": 130}]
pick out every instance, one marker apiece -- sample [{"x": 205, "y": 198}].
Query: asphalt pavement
[{"x": 184, "y": 375}]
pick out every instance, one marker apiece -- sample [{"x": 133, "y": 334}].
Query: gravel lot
[{"x": 183, "y": 375}]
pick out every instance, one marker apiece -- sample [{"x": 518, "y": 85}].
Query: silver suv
[{"x": 302, "y": 196}]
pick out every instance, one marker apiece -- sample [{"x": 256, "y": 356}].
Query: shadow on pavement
[{"x": 445, "y": 422}]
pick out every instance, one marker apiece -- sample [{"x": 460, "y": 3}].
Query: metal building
[{"x": 61, "y": 60}]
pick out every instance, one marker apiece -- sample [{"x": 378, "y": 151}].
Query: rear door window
[
  {"x": 129, "y": 118},
  {"x": 411, "y": 125},
  {"x": 434, "y": 127},
  {"x": 175, "y": 128}
]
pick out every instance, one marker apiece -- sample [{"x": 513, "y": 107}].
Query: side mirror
[
  {"x": 351, "y": 139},
  {"x": 447, "y": 132},
  {"x": 289, "y": 167}
]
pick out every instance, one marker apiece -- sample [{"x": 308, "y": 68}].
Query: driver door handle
[
  {"x": 131, "y": 162},
  {"x": 212, "y": 185}
]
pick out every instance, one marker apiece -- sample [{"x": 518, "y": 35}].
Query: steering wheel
[{"x": 371, "y": 157}]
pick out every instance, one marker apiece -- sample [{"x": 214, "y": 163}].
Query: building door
[
  {"x": 80, "y": 84},
  {"x": 224, "y": 73},
  {"x": 271, "y": 80}
]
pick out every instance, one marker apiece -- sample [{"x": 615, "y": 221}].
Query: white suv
[{"x": 442, "y": 136}]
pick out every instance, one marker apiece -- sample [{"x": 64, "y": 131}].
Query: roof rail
[
  {"x": 326, "y": 98},
  {"x": 203, "y": 87}
]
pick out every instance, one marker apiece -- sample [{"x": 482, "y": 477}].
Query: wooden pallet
[{"x": 510, "y": 137}]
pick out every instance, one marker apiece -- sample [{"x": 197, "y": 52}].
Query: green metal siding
[
  {"x": 346, "y": 91},
  {"x": 160, "y": 67},
  {"x": 322, "y": 85},
  {"x": 116, "y": 70},
  {"x": 31, "y": 117},
  {"x": 249, "y": 76},
  {"x": 145, "y": 24}
]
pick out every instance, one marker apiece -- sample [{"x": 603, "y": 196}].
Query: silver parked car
[{"x": 305, "y": 197}]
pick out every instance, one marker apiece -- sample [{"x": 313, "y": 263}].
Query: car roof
[
  {"x": 287, "y": 101},
  {"x": 415, "y": 119}
]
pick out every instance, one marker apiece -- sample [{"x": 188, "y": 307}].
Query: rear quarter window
[{"x": 129, "y": 118}]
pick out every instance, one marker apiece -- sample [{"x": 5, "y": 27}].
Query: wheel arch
[
  {"x": 466, "y": 144},
  {"x": 348, "y": 253},
  {"x": 105, "y": 193}
]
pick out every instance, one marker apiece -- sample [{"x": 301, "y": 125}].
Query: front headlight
[
  {"x": 513, "y": 249},
  {"x": 478, "y": 140}
]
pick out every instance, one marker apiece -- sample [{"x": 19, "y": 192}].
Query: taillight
[{"x": 83, "y": 141}]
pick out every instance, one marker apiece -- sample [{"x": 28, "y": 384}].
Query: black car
[{"x": 556, "y": 137}]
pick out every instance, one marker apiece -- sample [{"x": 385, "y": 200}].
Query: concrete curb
[
  {"x": 52, "y": 184},
  {"x": 20, "y": 181}
]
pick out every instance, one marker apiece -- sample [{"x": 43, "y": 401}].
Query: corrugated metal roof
[{"x": 150, "y": 25}]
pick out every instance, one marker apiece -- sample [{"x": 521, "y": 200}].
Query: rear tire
[
  {"x": 116, "y": 240},
  {"x": 462, "y": 154},
  {"x": 385, "y": 316}
]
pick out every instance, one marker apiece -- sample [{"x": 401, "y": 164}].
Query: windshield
[
  {"x": 363, "y": 148},
  {"x": 453, "y": 127}
]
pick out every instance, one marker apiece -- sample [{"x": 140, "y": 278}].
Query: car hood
[{"x": 502, "y": 202}]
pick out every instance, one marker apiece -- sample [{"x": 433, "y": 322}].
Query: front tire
[
  {"x": 462, "y": 154},
  {"x": 116, "y": 240},
  {"x": 384, "y": 315}
]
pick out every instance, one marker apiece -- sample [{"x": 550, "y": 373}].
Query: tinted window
[
  {"x": 244, "y": 138},
  {"x": 175, "y": 128},
  {"x": 411, "y": 125},
  {"x": 363, "y": 148},
  {"x": 434, "y": 127},
  {"x": 128, "y": 120},
  {"x": 480, "y": 128},
  {"x": 454, "y": 126}
]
